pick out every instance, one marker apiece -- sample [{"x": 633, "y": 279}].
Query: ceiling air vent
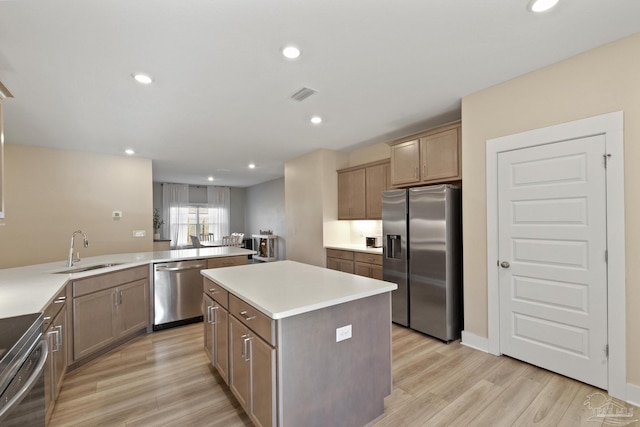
[{"x": 303, "y": 94}]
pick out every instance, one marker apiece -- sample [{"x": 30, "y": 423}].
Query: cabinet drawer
[
  {"x": 54, "y": 308},
  {"x": 370, "y": 258},
  {"x": 109, "y": 280},
  {"x": 255, "y": 320},
  {"x": 228, "y": 261},
  {"x": 337, "y": 253},
  {"x": 219, "y": 294}
]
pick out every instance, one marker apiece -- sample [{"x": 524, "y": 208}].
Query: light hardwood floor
[{"x": 165, "y": 379}]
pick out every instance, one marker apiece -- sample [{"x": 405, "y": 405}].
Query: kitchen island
[{"x": 299, "y": 344}]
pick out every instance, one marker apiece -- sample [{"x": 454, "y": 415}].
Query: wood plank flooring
[{"x": 165, "y": 379}]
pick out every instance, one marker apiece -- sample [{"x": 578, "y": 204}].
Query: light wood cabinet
[
  {"x": 252, "y": 371},
  {"x": 340, "y": 260},
  {"x": 107, "y": 308},
  {"x": 228, "y": 261},
  {"x": 216, "y": 327},
  {"x": 427, "y": 158},
  {"x": 351, "y": 194},
  {"x": 368, "y": 265},
  {"x": 55, "y": 332},
  {"x": 360, "y": 190}
]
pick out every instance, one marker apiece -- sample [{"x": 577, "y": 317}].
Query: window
[{"x": 200, "y": 221}]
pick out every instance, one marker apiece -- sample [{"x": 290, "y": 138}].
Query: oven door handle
[{"x": 28, "y": 385}]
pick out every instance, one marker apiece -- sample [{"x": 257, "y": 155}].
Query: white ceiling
[{"x": 221, "y": 96}]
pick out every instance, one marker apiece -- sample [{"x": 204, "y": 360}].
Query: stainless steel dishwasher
[{"x": 177, "y": 293}]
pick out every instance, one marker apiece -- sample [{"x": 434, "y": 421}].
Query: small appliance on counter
[{"x": 374, "y": 241}]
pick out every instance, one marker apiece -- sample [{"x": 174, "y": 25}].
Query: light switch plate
[
  {"x": 343, "y": 333},
  {"x": 139, "y": 233}
]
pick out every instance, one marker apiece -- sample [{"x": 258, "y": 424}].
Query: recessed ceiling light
[
  {"x": 252, "y": 166},
  {"x": 142, "y": 78},
  {"x": 539, "y": 6},
  {"x": 210, "y": 178},
  {"x": 316, "y": 120},
  {"x": 291, "y": 52},
  {"x": 129, "y": 151}
]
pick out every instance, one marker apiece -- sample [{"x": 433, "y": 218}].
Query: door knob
[{"x": 504, "y": 264}]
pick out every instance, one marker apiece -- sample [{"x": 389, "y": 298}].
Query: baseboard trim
[
  {"x": 475, "y": 342},
  {"x": 633, "y": 394}
]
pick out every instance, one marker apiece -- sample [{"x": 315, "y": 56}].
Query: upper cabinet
[
  {"x": 4, "y": 93},
  {"x": 427, "y": 158},
  {"x": 360, "y": 190}
]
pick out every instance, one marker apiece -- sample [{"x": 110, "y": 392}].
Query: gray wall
[{"x": 264, "y": 210}]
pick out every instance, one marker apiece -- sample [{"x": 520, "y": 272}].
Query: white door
[{"x": 552, "y": 248}]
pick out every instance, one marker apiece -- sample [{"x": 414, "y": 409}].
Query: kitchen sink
[{"x": 80, "y": 269}]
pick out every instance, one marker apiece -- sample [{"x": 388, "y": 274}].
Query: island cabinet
[
  {"x": 360, "y": 190},
  {"x": 216, "y": 327},
  {"x": 304, "y": 342},
  {"x": 430, "y": 157},
  {"x": 109, "y": 308},
  {"x": 252, "y": 357},
  {"x": 55, "y": 332}
]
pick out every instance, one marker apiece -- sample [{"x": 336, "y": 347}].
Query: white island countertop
[
  {"x": 29, "y": 289},
  {"x": 287, "y": 288}
]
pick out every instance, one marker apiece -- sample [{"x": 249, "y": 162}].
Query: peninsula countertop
[
  {"x": 286, "y": 288},
  {"x": 355, "y": 248},
  {"x": 31, "y": 288}
]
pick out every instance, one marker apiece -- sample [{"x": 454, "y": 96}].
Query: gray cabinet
[
  {"x": 55, "y": 332},
  {"x": 216, "y": 328},
  {"x": 108, "y": 308}
]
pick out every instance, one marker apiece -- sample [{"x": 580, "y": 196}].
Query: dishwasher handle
[{"x": 190, "y": 267}]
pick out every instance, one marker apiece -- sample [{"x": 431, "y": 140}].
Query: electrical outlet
[
  {"x": 343, "y": 333},
  {"x": 139, "y": 233}
]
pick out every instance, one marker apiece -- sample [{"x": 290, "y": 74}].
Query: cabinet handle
[
  {"x": 415, "y": 173},
  {"x": 424, "y": 171},
  {"x": 213, "y": 314},
  {"x": 120, "y": 293},
  {"x": 213, "y": 291},
  {"x": 50, "y": 340},
  {"x": 208, "y": 314},
  {"x": 60, "y": 300},
  {"x": 243, "y": 313},
  {"x": 246, "y": 347},
  {"x": 58, "y": 337},
  {"x": 115, "y": 299}
]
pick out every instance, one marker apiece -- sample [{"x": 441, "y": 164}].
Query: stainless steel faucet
[{"x": 71, "y": 259}]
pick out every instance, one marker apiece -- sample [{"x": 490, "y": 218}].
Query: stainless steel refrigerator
[{"x": 422, "y": 233}]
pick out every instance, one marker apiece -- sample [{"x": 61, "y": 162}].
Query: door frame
[{"x": 611, "y": 125}]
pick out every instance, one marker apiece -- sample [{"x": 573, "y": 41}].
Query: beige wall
[
  {"x": 50, "y": 193},
  {"x": 600, "y": 81},
  {"x": 311, "y": 194}
]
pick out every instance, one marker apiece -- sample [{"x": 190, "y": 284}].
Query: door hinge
[
  {"x": 606, "y": 350},
  {"x": 606, "y": 158}
]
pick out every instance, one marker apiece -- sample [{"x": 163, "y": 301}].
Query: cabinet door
[
  {"x": 133, "y": 307},
  {"x": 440, "y": 156},
  {"x": 375, "y": 185},
  {"x": 333, "y": 264},
  {"x": 351, "y": 195},
  {"x": 239, "y": 367},
  {"x": 94, "y": 322},
  {"x": 363, "y": 269},
  {"x": 220, "y": 349},
  {"x": 345, "y": 266},
  {"x": 405, "y": 162},
  {"x": 263, "y": 391},
  {"x": 376, "y": 272},
  {"x": 207, "y": 315}
]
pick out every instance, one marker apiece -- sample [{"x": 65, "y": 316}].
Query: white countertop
[
  {"x": 355, "y": 248},
  {"x": 30, "y": 289},
  {"x": 286, "y": 288}
]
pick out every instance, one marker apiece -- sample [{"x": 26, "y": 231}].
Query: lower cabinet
[
  {"x": 56, "y": 363},
  {"x": 108, "y": 308},
  {"x": 360, "y": 263},
  {"x": 252, "y": 373},
  {"x": 216, "y": 335},
  {"x": 340, "y": 260}
]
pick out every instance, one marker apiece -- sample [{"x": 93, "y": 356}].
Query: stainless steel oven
[{"x": 23, "y": 353}]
